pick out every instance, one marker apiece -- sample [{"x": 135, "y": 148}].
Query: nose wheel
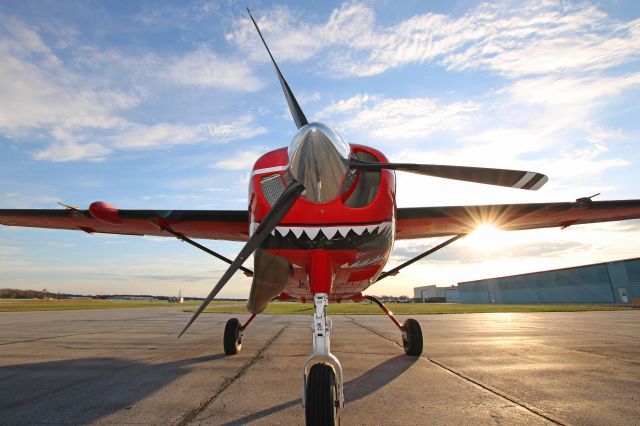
[
  {"x": 321, "y": 408},
  {"x": 322, "y": 382}
]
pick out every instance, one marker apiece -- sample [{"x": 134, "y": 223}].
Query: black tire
[
  {"x": 320, "y": 403},
  {"x": 412, "y": 337},
  {"x": 232, "y": 339}
]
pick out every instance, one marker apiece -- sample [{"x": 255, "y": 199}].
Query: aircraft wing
[
  {"x": 425, "y": 222},
  {"x": 231, "y": 225}
]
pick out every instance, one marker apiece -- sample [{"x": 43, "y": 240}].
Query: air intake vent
[{"x": 272, "y": 188}]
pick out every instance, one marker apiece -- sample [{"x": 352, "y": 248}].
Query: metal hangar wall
[{"x": 610, "y": 282}]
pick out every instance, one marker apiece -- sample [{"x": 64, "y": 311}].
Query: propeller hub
[{"x": 319, "y": 160}]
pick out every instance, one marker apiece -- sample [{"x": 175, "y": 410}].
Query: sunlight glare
[{"x": 487, "y": 237}]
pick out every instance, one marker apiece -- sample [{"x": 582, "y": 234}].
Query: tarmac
[{"x": 127, "y": 366}]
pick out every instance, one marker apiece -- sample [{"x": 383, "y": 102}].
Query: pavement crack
[
  {"x": 466, "y": 378},
  {"x": 59, "y": 337},
  {"x": 191, "y": 414},
  {"x": 496, "y": 392},
  {"x": 353, "y": 321}
]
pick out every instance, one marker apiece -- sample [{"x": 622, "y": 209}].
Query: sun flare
[{"x": 487, "y": 237}]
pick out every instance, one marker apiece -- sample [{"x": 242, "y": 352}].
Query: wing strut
[
  {"x": 271, "y": 220},
  {"x": 181, "y": 237},
  {"x": 397, "y": 269}
]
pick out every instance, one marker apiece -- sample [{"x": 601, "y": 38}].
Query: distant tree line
[{"x": 14, "y": 293}]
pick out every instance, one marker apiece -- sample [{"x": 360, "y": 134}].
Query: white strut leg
[
  {"x": 321, "y": 326},
  {"x": 321, "y": 333}
]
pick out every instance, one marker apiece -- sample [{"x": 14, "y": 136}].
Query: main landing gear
[
  {"x": 233, "y": 332},
  {"x": 411, "y": 331}
]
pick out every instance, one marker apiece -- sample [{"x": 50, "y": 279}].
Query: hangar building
[
  {"x": 431, "y": 293},
  {"x": 610, "y": 282}
]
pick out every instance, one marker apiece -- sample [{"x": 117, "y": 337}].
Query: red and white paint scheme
[
  {"x": 338, "y": 247},
  {"x": 321, "y": 223}
]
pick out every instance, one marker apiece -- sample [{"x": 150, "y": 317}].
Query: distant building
[
  {"x": 615, "y": 282},
  {"x": 434, "y": 294}
]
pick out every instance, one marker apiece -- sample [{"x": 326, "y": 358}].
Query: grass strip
[{"x": 21, "y": 305}]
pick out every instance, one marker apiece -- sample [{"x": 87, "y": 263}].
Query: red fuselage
[{"x": 338, "y": 247}]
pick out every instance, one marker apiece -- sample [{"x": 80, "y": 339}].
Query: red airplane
[{"x": 321, "y": 223}]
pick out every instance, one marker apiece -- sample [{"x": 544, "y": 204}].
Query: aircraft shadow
[
  {"x": 355, "y": 389},
  {"x": 82, "y": 390}
]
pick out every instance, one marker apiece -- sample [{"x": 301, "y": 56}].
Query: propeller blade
[
  {"x": 296, "y": 111},
  {"x": 501, "y": 177},
  {"x": 273, "y": 218}
]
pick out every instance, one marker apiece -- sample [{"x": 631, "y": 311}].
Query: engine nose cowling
[{"x": 319, "y": 159}]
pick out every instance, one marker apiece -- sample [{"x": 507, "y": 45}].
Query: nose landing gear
[{"x": 322, "y": 382}]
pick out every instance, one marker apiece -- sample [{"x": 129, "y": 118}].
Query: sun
[{"x": 487, "y": 237}]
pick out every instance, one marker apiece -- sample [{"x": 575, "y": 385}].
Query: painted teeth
[
  {"x": 312, "y": 233},
  {"x": 297, "y": 232},
  {"x": 330, "y": 232}
]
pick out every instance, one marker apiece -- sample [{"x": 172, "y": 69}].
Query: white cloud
[
  {"x": 203, "y": 67},
  {"x": 574, "y": 91},
  {"x": 170, "y": 15},
  {"x": 139, "y": 136},
  {"x": 15, "y": 200},
  {"x": 243, "y": 160},
  {"x": 353, "y": 104},
  {"x": 598, "y": 134},
  {"x": 512, "y": 38},
  {"x": 69, "y": 149},
  {"x": 288, "y": 38},
  {"x": 164, "y": 134},
  {"x": 45, "y": 98},
  {"x": 38, "y": 91},
  {"x": 403, "y": 118}
]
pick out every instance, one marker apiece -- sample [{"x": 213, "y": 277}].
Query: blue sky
[{"x": 165, "y": 105}]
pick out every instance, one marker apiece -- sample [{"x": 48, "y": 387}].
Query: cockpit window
[{"x": 367, "y": 186}]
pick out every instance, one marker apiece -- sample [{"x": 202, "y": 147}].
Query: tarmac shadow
[
  {"x": 82, "y": 390},
  {"x": 355, "y": 389}
]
